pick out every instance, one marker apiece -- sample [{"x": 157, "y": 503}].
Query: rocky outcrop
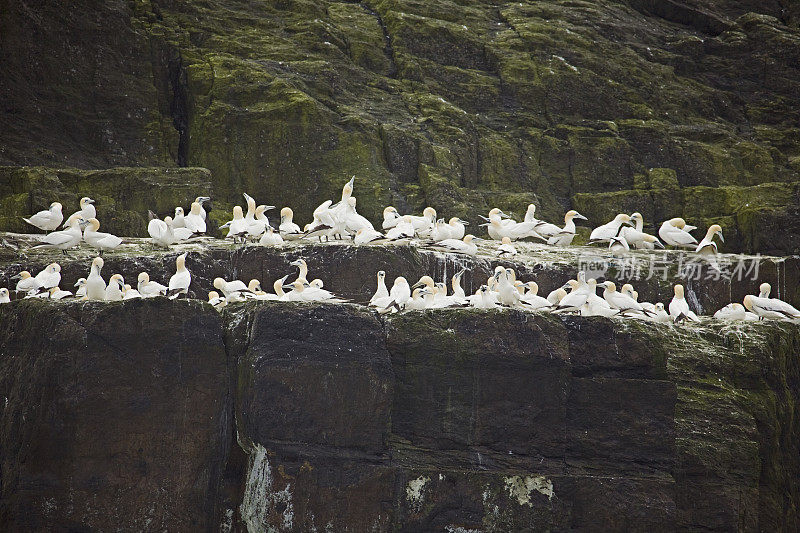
[
  {"x": 461, "y": 107},
  {"x": 293, "y": 417}
]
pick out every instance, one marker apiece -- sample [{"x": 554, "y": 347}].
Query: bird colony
[{"x": 341, "y": 221}]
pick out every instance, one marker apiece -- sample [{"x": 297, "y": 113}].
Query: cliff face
[
  {"x": 161, "y": 414},
  {"x": 670, "y": 108}
]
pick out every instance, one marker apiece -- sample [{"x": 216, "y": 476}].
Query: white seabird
[
  {"x": 96, "y": 239},
  {"x": 660, "y": 314},
  {"x": 178, "y": 221},
  {"x": 679, "y": 307},
  {"x": 367, "y": 236},
  {"x": 288, "y": 229},
  {"x": 27, "y": 283},
  {"x": 181, "y": 279},
  {"x": 4, "y": 297},
  {"x": 161, "y": 231},
  {"x": 80, "y": 292},
  {"x": 114, "y": 289},
  {"x": 707, "y": 246},
  {"x": 316, "y": 293},
  {"x": 622, "y": 302},
  {"x": 216, "y": 300},
  {"x": 194, "y": 221},
  {"x": 674, "y": 233},
  {"x": 398, "y": 296},
  {"x": 65, "y": 239},
  {"x": 618, "y": 244},
  {"x": 609, "y": 230},
  {"x": 732, "y": 311},
  {"x": 423, "y": 225},
  {"x": 237, "y": 228},
  {"x": 49, "y": 277},
  {"x": 771, "y": 308},
  {"x": 506, "y": 249},
  {"x": 302, "y": 268},
  {"x": 402, "y": 231},
  {"x": 575, "y": 300},
  {"x": 86, "y": 212},
  {"x": 270, "y": 238},
  {"x": 57, "y": 294},
  {"x": 637, "y": 238},
  {"x": 95, "y": 284},
  {"x": 417, "y": 300},
  {"x": 457, "y": 227},
  {"x": 381, "y": 291},
  {"x": 354, "y": 221},
  {"x": 234, "y": 291},
  {"x": 390, "y": 218},
  {"x": 565, "y": 235},
  {"x": 129, "y": 293},
  {"x": 465, "y": 246},
  {"x": 482, "y": 299},
  {"x": 47, "y": 220},
  {"x": 201, "y": 200},
  {"x": 531, "y": 297},
  {"x": 149, "y": 289}
]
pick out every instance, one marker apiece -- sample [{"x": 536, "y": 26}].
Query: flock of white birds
[{"x": 332, "y": 221}]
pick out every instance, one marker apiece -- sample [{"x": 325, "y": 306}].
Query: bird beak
[
  {"x": 658, "y": 243},
  {"x": 464, "y": 222},
  {"x": 204, "y": 199},
  {"x": 269, "y": 208},
  {"x": 76, "y": 284},
  {"x": 720, "y": 236},
  {"x": 296, "y": 263},
  {"x": 629, "y": 222},
  {"x": 504, "y": 215},
  {"x": 461, "y": 272},
  {"x": 484, "y": 218},
  {"x": 247, "y": 196},
  {"x": 417, "y": 284},
  {"x": 90, "y": 201},
  {"x": 16, "y": 277},
  {"x": 580, "y": 217},
  {"x": 226, "y": 225},
  {"x": 485, "y": 224}
]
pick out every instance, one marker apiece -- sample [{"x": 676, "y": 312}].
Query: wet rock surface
[{"x": 292, "y": 417}]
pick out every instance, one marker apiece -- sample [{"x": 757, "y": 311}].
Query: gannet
[
  {"x": 216, "y": 300},
  {"x": 732, "y": 311},
  {"x": 440, "y": 231},
  {"x": 428, "y": 282},
  {"x": 618, "y": 244},
  {"x": 129, "y": 293},
  {"x": 622, "y": 302},
  {"x": 458, "y": 297},
  {"x": 660, "y": 315},
  {"x": 27, "y": 283},
  {"x": 49, "y": 277},
  {"x": 679, "y": 307},
  {"x": 277, "y": 286},
  {"x": 398, "y": 296},
  {"x": 498, "y": 228},
  {"x": 96, "y": 239},
  {"x": 302, "y": 268},
  {"x": 95, "y": 285},
  {"x": 531, "y": 298},
  {"x": 201, "y": 200},
  {"x": 771, "y": 308},
  {"x": 403, "y": 230},
  {"x": 638, "y": 238},
  {"x": 764, "y": 289},
  {"x": 296, "y": 293},
  {"x": 4, "y": 297},
  {"x": 457, "y": 227},
  {"x": 37, "y": 295},
  {"x": 65, "y": 239},
  {"x": 80, "y": 292},
  {"x": 315, "y": 292},
  {"x": 354, "y": 221},
  {"x": 417, "y": 300},
  {"x": 114, "y": 289},
  {"x": 576, "y": 299},
  {"x": 390, "y": 218},
  {"x": 609, "y": 230},
  {"x": 161, "y": 231},
  {"x": 628, "y": 289},
  {"x": 707, "y": 246},
  {"x": 506, "y": 248},
  {"x": 180, "y": 281},
  {"x": 86, "y": 212},
  {"x": 424, "y": 225},
  {"x": 382, "y": 291},
  {"x": 257, "y": 226},
  {"x": 237, "y": 228},
  {"x": 254, "y": 286},
  {"x": 555, "y": 296},
  {"x": 234, "y": 291},
  {"x": 673, "y": 232},
  {"x": 326, "y": 222},
  {"x": 194, "y": 221},
  {"x": 367, "y": 236},
  {"x": 270, "y": 238},
  {"x": 288, "y": 229},
  {"x": 47, "y": 220},
  {"x": 496, "y": 211},
  {"x": 149, "y": 289},
  {"x": 530, "y": 214},
  {"x": 507, "y": 293},
  {"x": 465, "y": 246},
  {"x": 482, "y": 299},
  {"x": 564, "y": 236},
  {"x": 178, "y": 221}
]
